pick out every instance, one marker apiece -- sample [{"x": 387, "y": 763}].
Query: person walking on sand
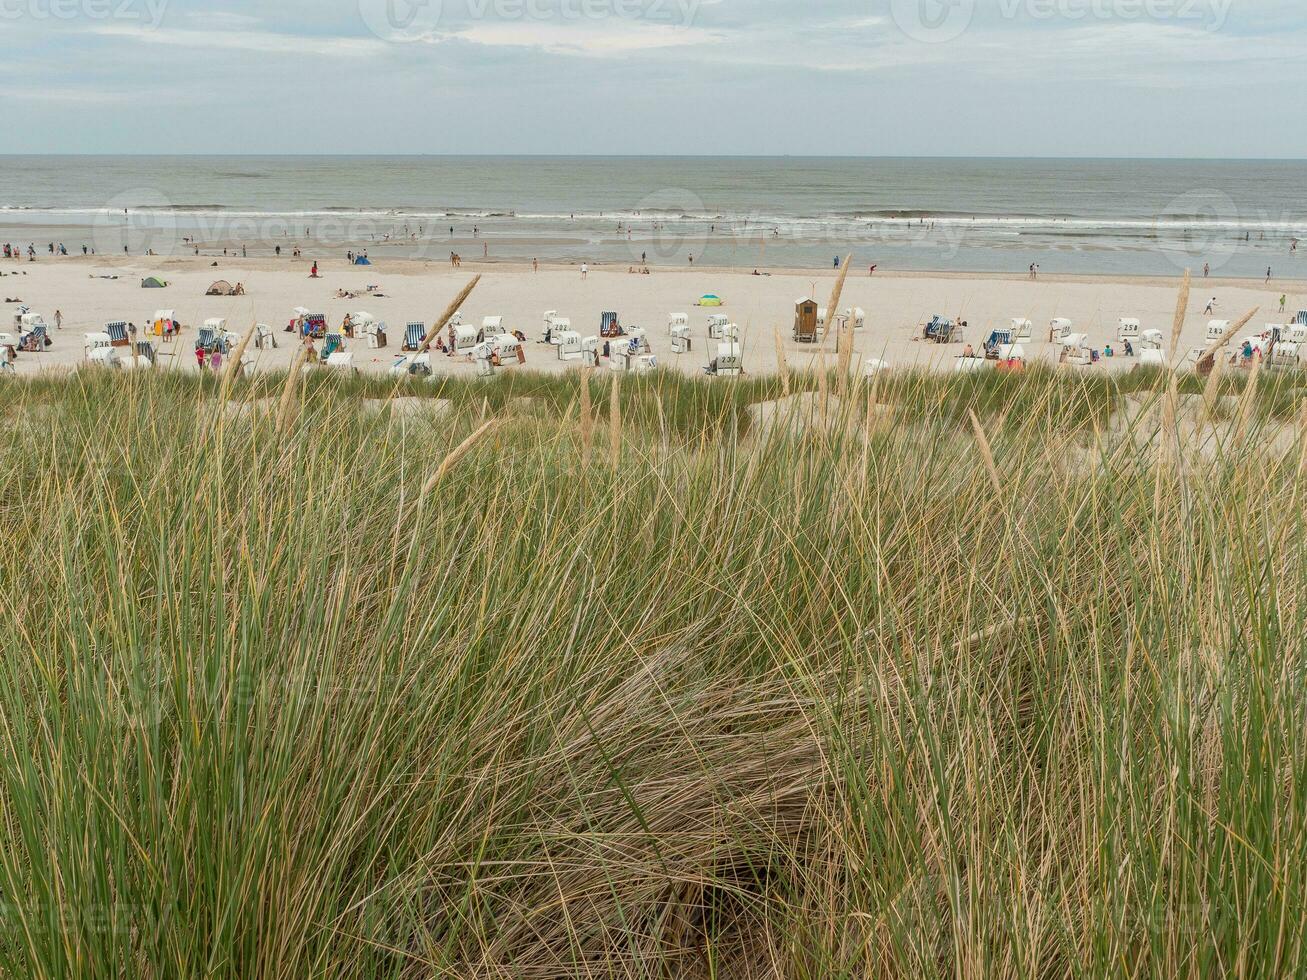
[
  {"x": 1207, "y": 269},
  {"x": 1283, "y": 299},
  {"x": 535, "y": 265},
  {"x": 585, "y": 270},
  {"x": 1211, "y": 307},
  {"x": 1268, "y": 273},
  {"x": 59, "y": 317},
  {"x": 199, "y": 357}
]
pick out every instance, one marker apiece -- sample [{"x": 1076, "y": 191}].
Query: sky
[{"x": 1116, "y": 78}]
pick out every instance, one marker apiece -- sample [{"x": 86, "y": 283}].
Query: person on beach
[
  {"x": 313, "y": 273},
  {"x": 1207, "y": 269},
  {"x": 535, "y": 265},
  {"x": 215, "y": 360},
  {"x": 585, "y": 270},
  {"x": 59, "y": 317},
  {"x": 1268, "y": 273},
  {"x": 199, "y": 357},
  {"x": 1283, "y": 299},
  {"x": 1211, "y": 307}
]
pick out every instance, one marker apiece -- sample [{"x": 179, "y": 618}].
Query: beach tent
[
  {"x": 153, "y": 282},
  {"x": 709, "y": 299},
  {"x": 221, "y": 288},
  {"x": 361, "y": 260}
]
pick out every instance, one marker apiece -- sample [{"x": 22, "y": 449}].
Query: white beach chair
[
  {"x": 1152, "y": 357},
  {"x": 968, "y": 365},
  {"x": 638, "y": 339},
  {"x": 568, "y": 343},
  {"x": 1216, "y": 330},
  {"x": 556, "y": 326},
  {"x": 681, "y": 342},
  {"x": 1058, "y": 328},
  {"x": 1285, "y": 354},
  {"x": 1127, "y": 328},
  {"x": 875, "y": 366},
  {"x": 342, "y": 361},
  {"x": 677, "y": 320},
  {"x": 728, "y": 362},
  {"x": 465, "y": 340},
  {"x": 96, "y": 341},
  {"x": 1022, "y": 329},
  {"x": 716, "y": 324}
]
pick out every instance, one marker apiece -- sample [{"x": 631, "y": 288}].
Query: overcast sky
[{"x": 1204, "y": 78}]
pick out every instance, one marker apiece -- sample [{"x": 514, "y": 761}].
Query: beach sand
[{"x": 896, "y": 305}]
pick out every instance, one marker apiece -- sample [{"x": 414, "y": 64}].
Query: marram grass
[{"x": 898, "y": 695}]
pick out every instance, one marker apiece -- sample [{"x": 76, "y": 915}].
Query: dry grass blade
[
  {"x": 454, "y": 306},
  {"x": 1233, "y": 329},
  {"x": 286, "y": 407},
  {"x": 1212, "y": 389},
  {"x": 234, "y": 365},
  {"x": 587, "y": 423},
  {"x": 1177, "y": 325},
  {"x": 832, "y": 306},
  {"x": 1247, "y": 404},
  {"x": 615, "y": 422},
  {"x": 782, "y": 365},
  {"x": 986, "y": 454},
  {"x": 451, "y": 460},
  {"x": 1302, "y": 440}
]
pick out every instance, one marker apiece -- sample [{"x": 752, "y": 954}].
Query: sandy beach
[{"x": 896, "y": 305}]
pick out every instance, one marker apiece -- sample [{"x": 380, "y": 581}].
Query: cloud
[
  {"x": 260, "y": 42},
  {"x": 600, "y": 39}
]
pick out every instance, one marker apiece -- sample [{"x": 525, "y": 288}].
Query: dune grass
[{"x": 885, "y": 698}]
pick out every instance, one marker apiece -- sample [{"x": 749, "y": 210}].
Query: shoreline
[
  {"x": 407, "y": 265},
  {"x": 896, "y": 304}
]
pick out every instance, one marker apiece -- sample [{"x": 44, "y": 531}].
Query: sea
[{"x": 1113, "y": 217}]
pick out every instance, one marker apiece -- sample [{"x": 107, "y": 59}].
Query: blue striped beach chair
[
  {"x": 414, "y": 334},
  {"x": 117, "y": 332}
]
